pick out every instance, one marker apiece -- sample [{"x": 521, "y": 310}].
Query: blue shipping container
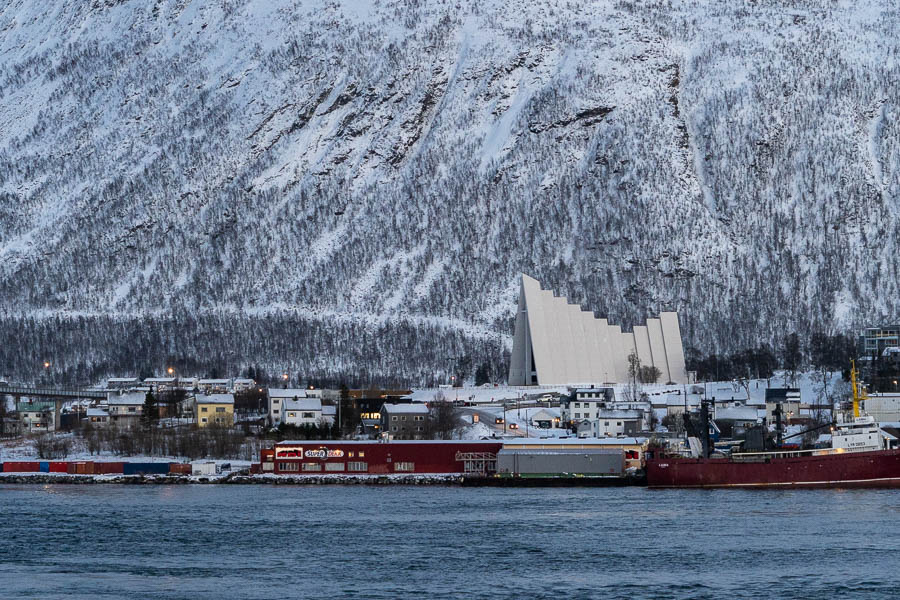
[
  {"x": 132, "y": 468},
  {"x": 45, "y": 467}
]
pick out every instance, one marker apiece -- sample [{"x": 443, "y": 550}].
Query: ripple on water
[{"x": 443, "y": 542}]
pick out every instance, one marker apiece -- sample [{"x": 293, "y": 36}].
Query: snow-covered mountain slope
[{"x": 385, "y": 169}]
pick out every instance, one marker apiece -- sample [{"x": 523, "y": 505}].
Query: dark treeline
[
  {"x": 820, "y": 351},
  {"x": 84, "y": 350}
]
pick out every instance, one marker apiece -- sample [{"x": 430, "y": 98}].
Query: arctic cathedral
[{"x": 557, "y": 343}]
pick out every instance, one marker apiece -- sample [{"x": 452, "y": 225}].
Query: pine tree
[{"x": 150, "y": 413}]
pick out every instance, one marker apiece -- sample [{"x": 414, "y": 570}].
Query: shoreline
[{"x": 240, "y": 478}]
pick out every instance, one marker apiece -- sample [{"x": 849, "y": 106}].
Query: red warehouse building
[{"x": 379, "y": 458}]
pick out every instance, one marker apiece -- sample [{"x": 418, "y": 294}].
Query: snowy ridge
[{"x": 390, "y": 161}]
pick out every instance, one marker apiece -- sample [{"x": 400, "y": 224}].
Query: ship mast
[{"x": 857, "y": 394}]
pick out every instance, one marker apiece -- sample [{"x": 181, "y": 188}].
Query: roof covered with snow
[
  {"x": 215, "y": 399},
  {"x": 313, "y": 404},
  {"x": 127, "y": 399},
  {"x": 406, "y": 409}
]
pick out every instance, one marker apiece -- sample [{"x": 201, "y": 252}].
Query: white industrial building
[{"x": 558, "y": 343}]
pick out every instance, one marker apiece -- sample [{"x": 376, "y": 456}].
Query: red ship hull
[{"x": 876, "y": 469}]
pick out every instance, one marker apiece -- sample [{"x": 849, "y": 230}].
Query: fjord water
[{"x": 220, "y": 541}]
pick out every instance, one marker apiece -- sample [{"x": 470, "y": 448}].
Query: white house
[
  {"x": 277, "y": 397},
  {"x": 213, "y": 386},
  {"x": 585, "y": 403},
  {"x": 96, "y": 416},
  {"x": 616, "y": 423},
  {"x": 546, "y": 418},
  {"x": 302, "y": 411},
  {"x": 243, "y": 384},
  {"x": 125, "y": 408},
  {"x": 160, "y": 383}
]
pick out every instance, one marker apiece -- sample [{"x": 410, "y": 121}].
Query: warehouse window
[
  {"x": 335, "y": 466},
  {"x": 362, "y": 454},
  {"x": 312, "y": 467},
  {"x": 357, "y": 466},
  {"x": 405, "y": 466},
  {"x": 288, "y": 466}
]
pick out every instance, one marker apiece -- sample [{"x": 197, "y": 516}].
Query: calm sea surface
[{"x": 204, "y": 541}]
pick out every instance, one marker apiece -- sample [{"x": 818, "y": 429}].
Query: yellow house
[{"x": 214, "y": 409}]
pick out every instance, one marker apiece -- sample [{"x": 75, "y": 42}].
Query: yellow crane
[{"x": 858, "y": 394}]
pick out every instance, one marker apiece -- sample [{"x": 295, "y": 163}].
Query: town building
[
  {"x": 213, "y": 386},
  {"x": 584, "y": 403},
  {"x": 243, "y": 384},
  {"x": 125, "y": 409},
  {"x": 546, "y": 418},
  {"x": 885, "y": 408},
  {"x": 379, "y": 457},
  {"x": 277, "y": 397},
  {"x": 367, "y": 407},
  {"x": 160, "y": 384},
  {"x": 879, "y": 341},
  {"x": 37, "y": 415},
  {"x": 734, "y": 421},
  {"x": 302, "y": 411},
  {"x": 122, "y": 383},
  {"x": 404, "y": 421},
  {"x": 788, "y": 398},
  {"x": 188, "y": 384},
  {"x": 617, "y": 423},
  {"x": 97, "y": 416},
  {"x": 214, "y": 409},
  {"x": 633, "y": 447},
  {"x": 557, "y": 343}
]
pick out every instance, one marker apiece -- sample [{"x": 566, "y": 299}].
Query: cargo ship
[{"x": 861, "y": 456}]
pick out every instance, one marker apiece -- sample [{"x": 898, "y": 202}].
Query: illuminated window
[
  {"x": 312, "y": 467},
  {"x": 406, "y": 467},
  {"x": 350, "y": 454},
  {"x": 357, "y": 466},
  {"x": 362, "y": 454}
]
